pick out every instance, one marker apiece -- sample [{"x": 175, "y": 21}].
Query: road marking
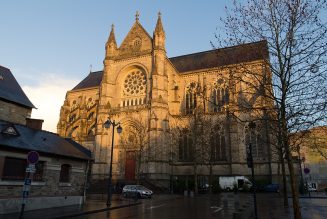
[
  {"x": 217, "y": 208},
  {"x": 158, "y": 206}
]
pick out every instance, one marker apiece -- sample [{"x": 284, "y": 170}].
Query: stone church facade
[{"x": 181, "y": 117}]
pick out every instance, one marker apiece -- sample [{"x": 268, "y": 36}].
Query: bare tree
[{"x": 297, "y": 44}]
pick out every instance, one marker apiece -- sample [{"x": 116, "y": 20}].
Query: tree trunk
[
  {"x": 282, "y": 161},
  {"x": 285, "y": 143},
  {"x": 295, "y": 193}
]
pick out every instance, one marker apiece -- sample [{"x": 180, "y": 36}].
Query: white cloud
[{"x": 48, "y": 97}]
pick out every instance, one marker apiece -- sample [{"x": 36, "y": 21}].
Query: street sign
[
  {"x": 32, "y": 157},
  {"x": 306, "y": 170},
  {"x": 30, "y": 168}
]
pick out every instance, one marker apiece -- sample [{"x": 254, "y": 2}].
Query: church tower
[{"x": 159, "y": 120}]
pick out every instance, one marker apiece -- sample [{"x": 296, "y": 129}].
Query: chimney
[{"x": 34, "y": 123}]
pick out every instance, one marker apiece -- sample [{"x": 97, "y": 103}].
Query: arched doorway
[
  {"x": 133, "y": 140},
  {"x": 130, "y": 165}
]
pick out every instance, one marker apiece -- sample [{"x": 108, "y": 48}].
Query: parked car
[
  {"x": 272, "y": 187},
  {"x": 138, "y": 191}
]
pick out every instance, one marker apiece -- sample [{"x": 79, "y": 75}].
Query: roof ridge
[{"x": 94, "y": 72}]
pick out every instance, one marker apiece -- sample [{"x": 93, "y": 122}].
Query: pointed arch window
[
  {"x": 218, "y": 144},
  {"x": 254, "y": 137},
  {"x": 220, "y": 95},
  {"x": 185, "y": 150},
  {"x": 191, "y": 98}
]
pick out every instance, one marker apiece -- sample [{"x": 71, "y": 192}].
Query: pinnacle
[
  {"x": 159, "y": 26},
  {"x": 112, "y": 35}
]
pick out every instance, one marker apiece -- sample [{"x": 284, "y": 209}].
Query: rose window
[{"x": 135, "y": 83}]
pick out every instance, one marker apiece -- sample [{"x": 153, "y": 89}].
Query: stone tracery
[{"x": 135, "y": 83}]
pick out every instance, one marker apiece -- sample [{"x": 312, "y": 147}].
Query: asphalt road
[{"x": 227, "y": 205}]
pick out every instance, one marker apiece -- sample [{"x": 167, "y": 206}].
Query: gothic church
[{"x": 180, "y": 116}]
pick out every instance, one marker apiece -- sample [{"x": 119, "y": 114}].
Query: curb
[
  {"x": 312, "y": 197},
  {"x": 94, "y": 211}
]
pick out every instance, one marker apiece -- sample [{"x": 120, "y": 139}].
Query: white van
[{"x": 229, "y": 182}]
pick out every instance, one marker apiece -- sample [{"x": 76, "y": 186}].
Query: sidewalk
[
  {"x": 319, "y": 195},
  {"x": 91, "y": 206}
]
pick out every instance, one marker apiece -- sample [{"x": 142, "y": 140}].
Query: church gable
[{"x": 137, "y": 41}]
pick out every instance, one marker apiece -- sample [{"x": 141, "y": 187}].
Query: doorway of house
[{"x": 130, "y": 165}]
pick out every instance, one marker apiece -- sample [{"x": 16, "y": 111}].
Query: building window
[
  {"x": 218, "y": 144},
  {"x": 185, "y": 148},
  {"x": 220, "y": 95},
  {"x": 256, "y": 140},
  {"x": 135, "y": 83},
  {"x": 15, "y": 169},
  {"x": 190, "y": 97},
  {"x": 65, "y": 172}
]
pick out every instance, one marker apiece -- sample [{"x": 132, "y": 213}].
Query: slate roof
[
  {"x": 202, "y": 60},
  {"x": 29, "y": 139},
  {"x": 11, "y": 91},
  {"x": 221, "y": 57},
  {"x": 92, "y": 80}
]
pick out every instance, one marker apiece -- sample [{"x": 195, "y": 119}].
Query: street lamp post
[
  {"x": 107, "y": 125},
  {"x": 250, "y": 165}
]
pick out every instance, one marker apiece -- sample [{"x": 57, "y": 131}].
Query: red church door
[{"x": 130, "y": 165}]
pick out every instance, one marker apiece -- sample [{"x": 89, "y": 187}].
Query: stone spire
[
  {"x": 112, "y": 39},
  {"x": 111, "y": 45},
  {"x": 159, "y": 27},
  {"x": 159, "y": 34}
]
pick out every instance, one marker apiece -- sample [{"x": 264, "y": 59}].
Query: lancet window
[
  {"x": 191, "y": 98},
  {"x": 220, "y": 95},
  {"x": 218, "y": 144},
  {"x": 185, "y": 150},
  {"x": 255, "y": 138}
]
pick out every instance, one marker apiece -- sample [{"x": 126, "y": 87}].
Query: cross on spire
[{"x": 137, "y": 15}]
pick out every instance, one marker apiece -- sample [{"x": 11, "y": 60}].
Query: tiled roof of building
[
  {"x": 44, "y": 142},
  {"x": 202, "y": 60},
  {"x": 92, "y": 80},
  {"x": 11, "y": 91},
  {"x": 221, "y": 57}
]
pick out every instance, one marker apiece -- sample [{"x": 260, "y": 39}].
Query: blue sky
[
  {"x": 66, "y": 36},
  {"x": 50, "y": 45}
]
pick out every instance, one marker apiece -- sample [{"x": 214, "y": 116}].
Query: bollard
[
  {"x": 185, "y": 193},
  {"x": 191, "y": 194}
]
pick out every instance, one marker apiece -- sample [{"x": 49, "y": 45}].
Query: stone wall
[
  {"x": 14, "y": 113},
  {"x": 49, "y": 189}
]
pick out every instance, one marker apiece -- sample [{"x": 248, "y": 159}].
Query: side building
[
  {"x": 183, "y": 118},
  {"x": 60, "y": 174}
]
